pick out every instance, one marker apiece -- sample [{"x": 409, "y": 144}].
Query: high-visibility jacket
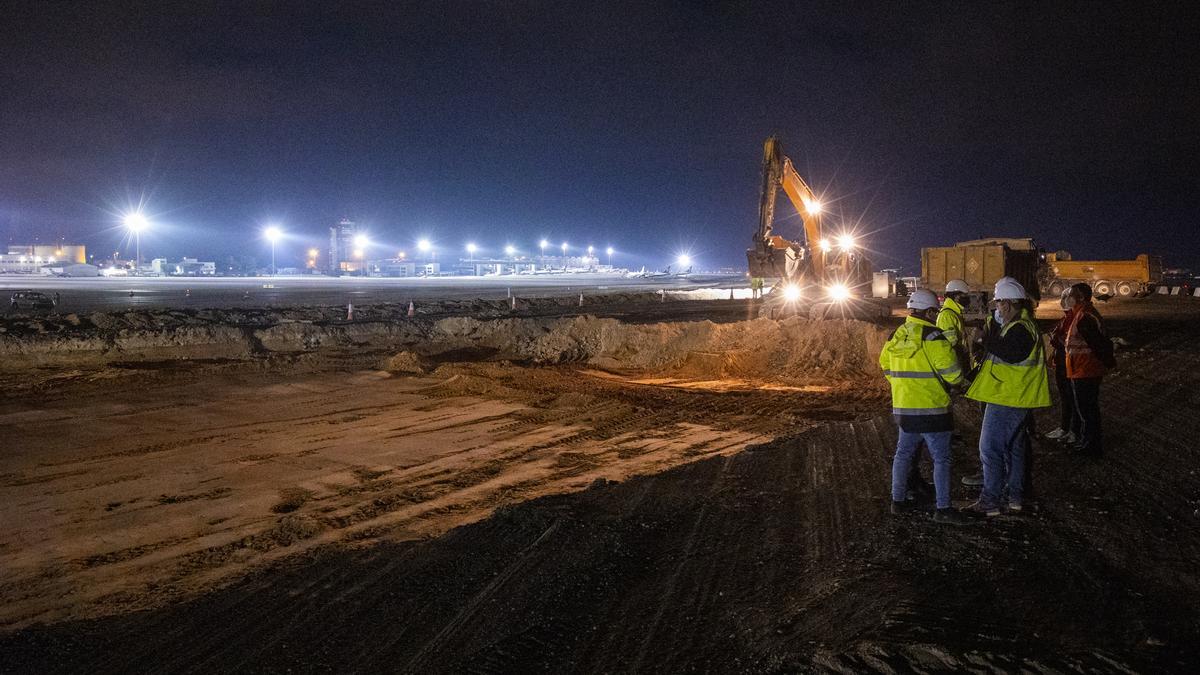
[
  {"x": 920, "y": 365},
  {"x": 1017, "y": 385},
  {"x": 1082, "y": 361},
  {"x": 950, "y": 320}
]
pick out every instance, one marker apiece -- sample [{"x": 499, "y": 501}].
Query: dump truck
[
  {"x": 981, "y": 263},
  {"x": 1121, "y": 278}
]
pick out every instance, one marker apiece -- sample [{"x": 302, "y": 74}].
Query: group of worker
[{"x": 929, "y": 358}]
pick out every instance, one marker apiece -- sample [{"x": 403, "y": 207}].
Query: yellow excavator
[{"x": 820, "y": 276}]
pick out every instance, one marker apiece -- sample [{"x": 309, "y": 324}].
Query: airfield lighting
[
  {"x": 609, "y": 251},
  {"x": 564, "y": 248},
  {"x": 684, "y": 260},
  {"x": 510, "y": 250},
  {"x": 423, "y": 245},
  {"x": 361, "y": 241},
  {"x": 471, "y": 248},
  {"x": 273, "y": 233},
  {"x": 135, "y": 222}
]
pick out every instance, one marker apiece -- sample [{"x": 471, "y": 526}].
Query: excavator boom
[{"x": 773, "y": 255}]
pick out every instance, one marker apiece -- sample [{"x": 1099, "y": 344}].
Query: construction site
[{"x": 646, "y": 483}]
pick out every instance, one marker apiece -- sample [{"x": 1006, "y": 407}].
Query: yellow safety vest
[
  {"x": 1016, "y": 385},
  {"x": 950, "y": 320},
  {"x": 919, "y": 363}
]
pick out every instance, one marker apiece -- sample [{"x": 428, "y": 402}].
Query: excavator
[{"x": 820, "y": 276}]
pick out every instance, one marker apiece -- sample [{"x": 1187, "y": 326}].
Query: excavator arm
[{"x": 773, "y": 255}]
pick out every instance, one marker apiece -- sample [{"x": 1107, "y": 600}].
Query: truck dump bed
[{"x": 980, "y": 265}]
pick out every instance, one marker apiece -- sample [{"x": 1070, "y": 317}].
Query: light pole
[
  {"x": 543, "y": 244},
  {"x": 609, "y": 251},
  {"x": 273, "y": 233},
  {"x": 360, "y": 245},
  {"x": 136, "y": 222},
  {"x": 312, "y": 259},
  {"x": 471, "y": 248}
]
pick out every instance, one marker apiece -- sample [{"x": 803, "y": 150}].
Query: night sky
[{"x": 638, "y": 125}]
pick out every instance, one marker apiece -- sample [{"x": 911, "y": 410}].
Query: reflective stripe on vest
[{"x": 1024, "y": 384}]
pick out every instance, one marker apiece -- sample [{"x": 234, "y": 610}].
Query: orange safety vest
[{"x": 1082, "y": 362}]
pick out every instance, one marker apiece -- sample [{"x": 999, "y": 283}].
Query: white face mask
[{"x": 998, "y": 317}]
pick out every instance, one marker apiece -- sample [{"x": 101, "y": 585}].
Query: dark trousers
[
  {"x": 1086, "y": 425},
  {"x": 1066, "y": 398}
]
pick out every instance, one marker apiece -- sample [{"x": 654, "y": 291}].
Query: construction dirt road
[{"x": 493, "y": 493}]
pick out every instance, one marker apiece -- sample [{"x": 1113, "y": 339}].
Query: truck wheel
[
  {"x": 1102, "y": 288},
  {"x": 1056, "y": 289},
  {"x": 1125, "y": 289}
]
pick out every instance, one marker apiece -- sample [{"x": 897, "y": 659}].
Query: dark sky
[{"x": 639, "y": 125}]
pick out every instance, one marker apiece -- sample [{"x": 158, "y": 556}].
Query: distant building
[
  {"x": 50, "y": 252},
  {"x": 341, "y": 248},
  {"x": 70, "y": 269},
  {"x": 186, "y": 267},
  {"x": 30, "y": 258}
]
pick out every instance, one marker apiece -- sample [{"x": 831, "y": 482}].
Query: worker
[
  {"x": 1066, "y": 397},
  {"x": 756, "y": 287},
  {"x": 920, "y": 365},
  {"x": 950, "y": 319},
  {"x": 1089, "y": 354},
  {"x": 1012, "y": 382}
]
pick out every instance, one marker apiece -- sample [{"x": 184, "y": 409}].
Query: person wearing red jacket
[
  {"x": 1058, "y": 342},
  {"x": 1089, "y": 354}
]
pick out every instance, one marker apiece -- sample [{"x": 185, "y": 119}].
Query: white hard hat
[
  {"x": 922, "y": 299},
  {"x": 1009, "y": 290},
  {"x": 1007, "y": 280},
  {"x": 957, "y": 286}
]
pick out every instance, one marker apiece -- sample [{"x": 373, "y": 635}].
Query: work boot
[
  {"x": 948, "y": 516},
  {"x": 974, "y": 480},
  {"x": 979, "y": 509},
  {"x": 901, "y": 507},
  {"x": 1057, "y": 434},
  {"x": 1069, "y": 438},
  {"x": 1015, "y": 508}
]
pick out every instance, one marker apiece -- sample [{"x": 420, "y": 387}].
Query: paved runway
[{"x": 97, "y": 294}]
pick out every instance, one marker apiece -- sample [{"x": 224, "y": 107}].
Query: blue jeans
[
  {"x": 1002, "y": 447},
  {"x": 939, "y": 449}
]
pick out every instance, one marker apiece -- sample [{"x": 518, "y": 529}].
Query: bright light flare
[
  {"x": 312, "y": 253},
  {"x": 510, "y": 250},
  {"x": 361, "y": 241},
  {"x": 825, "y": 246},
  {"x": 791, "y": 293},
  {"x": 684, "y": 260},
  {"x": 846, "y": 242},
  {"x": 543, "y": 244},
  {"x": 609, "y": 250},
  {"x": 136, "y": 221},
  {"x": 839, "y": 293},
  {"x": 273, "y": 234},
  {"x": 358, "y": 253},
  {"x": 812, "y": 206},
  {"x": 424, "y": 245},
  {"x": 471, "y": 248},
  {"x": 564, "y": 247}
]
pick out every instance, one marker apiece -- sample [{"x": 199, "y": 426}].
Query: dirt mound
[{"x": 793, "y": 350}]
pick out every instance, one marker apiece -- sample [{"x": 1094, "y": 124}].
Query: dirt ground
[{"x": 463, "y": 510}]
